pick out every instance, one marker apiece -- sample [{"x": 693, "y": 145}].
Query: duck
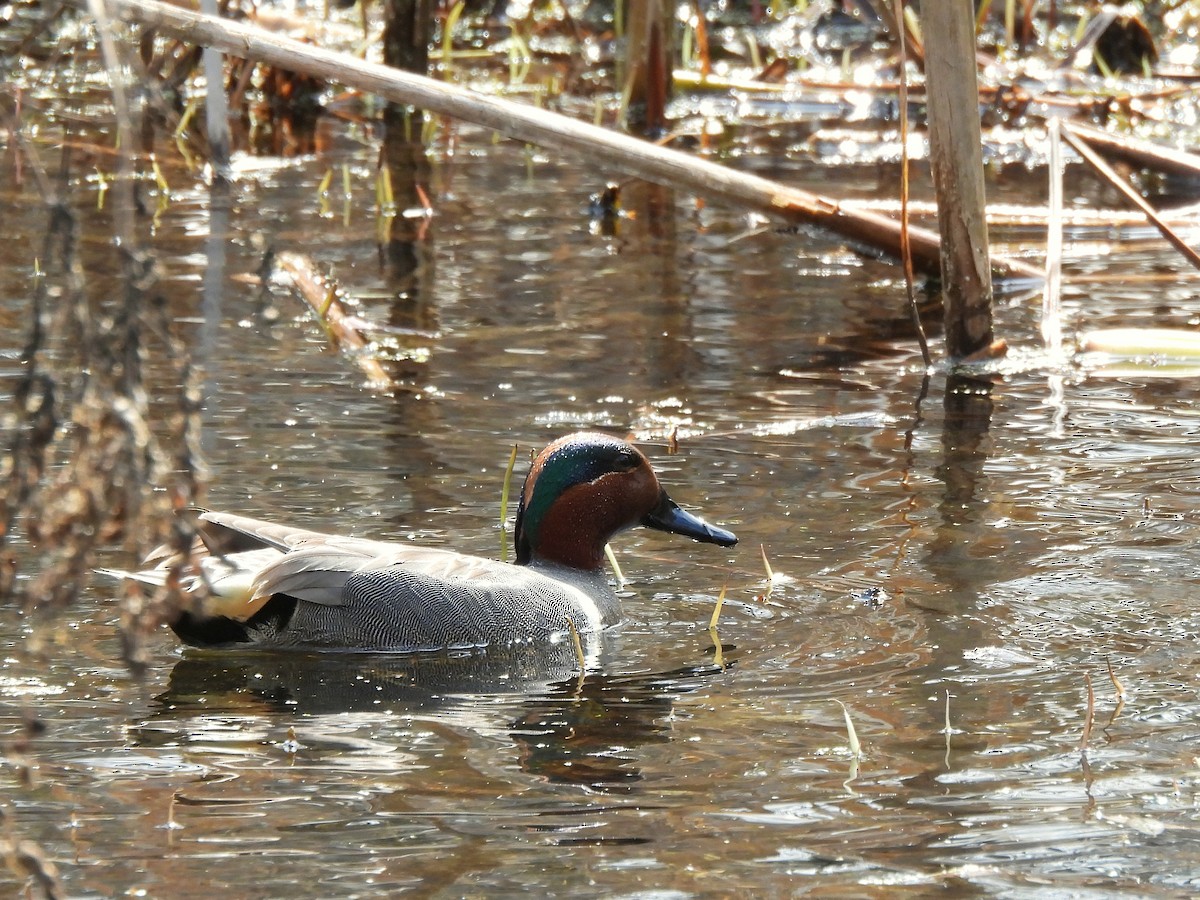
[{"x": 261, "y": 584}]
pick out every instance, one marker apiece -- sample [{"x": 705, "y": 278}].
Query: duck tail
[
  {"x": 192, "y": 627},
  {"x": 152, "y": 577},
  {"x": 210, "y": 631}
]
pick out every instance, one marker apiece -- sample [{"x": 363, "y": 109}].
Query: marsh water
[{"x": 953, "y": 564}]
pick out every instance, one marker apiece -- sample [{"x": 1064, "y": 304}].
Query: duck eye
[{"x": 626, "y": 460}]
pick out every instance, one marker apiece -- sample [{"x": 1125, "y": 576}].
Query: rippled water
[{"x": 952, "y": 571}]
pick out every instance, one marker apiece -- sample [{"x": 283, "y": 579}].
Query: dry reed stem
[
  {"x": 716, "y": 613},
  {"x": 1112, "y": 676},
  {"x": 1091, "y": 714},
  {"x": 766, "y": 594},
  {"x": 906, "y": 257},
  {"x": 616, "y": 566},
  {"x": 577, "y": 644},
  {"x": 851, "y": 734}
]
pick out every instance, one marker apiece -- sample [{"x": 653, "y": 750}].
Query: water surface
[{"x": 951, "y": 569}]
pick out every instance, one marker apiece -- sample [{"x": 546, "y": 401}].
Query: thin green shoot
[
  {"x": 756, "y": 62},
  {"x": 981, "y": 16},
  {"x": 519, "y": 57},
  {"x": 323, "y": 193},
  {"x": 385, "y": 205},
  {"x": 389, "y": 196},
  {"x": 326, "y": 181},
  {"x": 456, "y": 12},
  {"x": 159, "y": 179},
  {"x": 429, "y": 130},
  {"x": 330, "y": 297},
  {"x": 180, "y": 135},
  {"x": 102, "y": 184},
  {"x": 505, "y": 492}
]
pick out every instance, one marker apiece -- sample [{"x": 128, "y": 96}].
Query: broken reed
[
  {"x": 577, "y": 644},
  {"x": 851, "y": 735},
  {"x": 716, "y": 613}
]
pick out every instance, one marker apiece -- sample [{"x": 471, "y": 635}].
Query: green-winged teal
[{"x": 277, "y": 586}]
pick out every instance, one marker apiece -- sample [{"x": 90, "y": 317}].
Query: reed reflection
[{"x": 957, "y": 553}]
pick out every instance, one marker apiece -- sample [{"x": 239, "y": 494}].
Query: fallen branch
[
  {"x": 1138, "y": 152},
  {"x": 1106, "y": 171},
  {"x": 322, "y": 296},
  {"x": 525, "y": 123}
]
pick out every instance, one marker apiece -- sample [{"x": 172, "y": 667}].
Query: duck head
[{"x": 583, "y": 489}]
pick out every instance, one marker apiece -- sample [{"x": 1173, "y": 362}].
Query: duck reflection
[{"x": 567, "y": 727}]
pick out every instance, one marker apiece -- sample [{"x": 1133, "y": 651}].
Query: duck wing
[
  {"x": 224, "y": 533},
  {"x": 416, "y": 598},
  {"x": 317, "y": 572}
]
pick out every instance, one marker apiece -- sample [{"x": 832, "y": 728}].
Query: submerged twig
[
  {"x": 321, "y": 295},
  {"x": 948, "y": 731},
  {"x": 28, "y": 861}
]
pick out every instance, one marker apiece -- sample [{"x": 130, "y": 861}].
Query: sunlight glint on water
[{"x": 987, "y": 546}]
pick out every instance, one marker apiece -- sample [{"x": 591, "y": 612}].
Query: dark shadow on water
[{"x": 565, "y": 727}]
